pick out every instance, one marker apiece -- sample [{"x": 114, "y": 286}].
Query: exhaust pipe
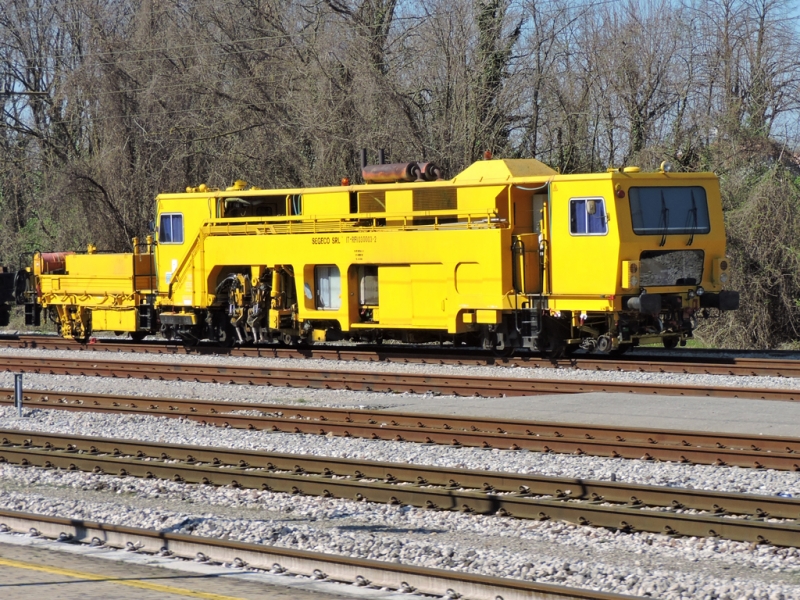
[
  {"x": 391, "y": 173},
  {"x": 430, "y": 171}
]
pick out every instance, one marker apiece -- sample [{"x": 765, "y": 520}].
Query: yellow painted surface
[
  {"x": 106, "y": 287},
  {"x": 144, "y": 268},
  {"x": 326, "y": 204},
  {"x": 586, "y": 271},
  {"x": 489, "y": 317},
  {"x": 133, "y": 583},
  {"x": 104, "y": 281},
  {"x": 482, "y": 199},
  {"x": 114, "y": 320},
  {"x": 583, "y": 264},
  {"x": 396, "y": 299},
  {"x": 469, "y": 278},
  {"x": 88, "y": 274},
  {"x": 434, "y": 255},
  {"x": 174, "y": 260},
  {"x": 113, "y": 265},
  {"x": 630, "y": 279},
  {"x": 430, "y": 290},
  {"x": 399, "y": 202},
  {"x": 439, "y": 248},
  {"x": 720, "y": 275},
  {"x": 502, "y": 170}
]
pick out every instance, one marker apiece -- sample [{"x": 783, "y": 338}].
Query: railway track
[
  {"x": 700, "y": 364},
  {"x": 370, "y": 381},
  {"x": 618, "y": 442},
  {"x": 615, "y": 505},
  {"x": 285, "y": 561}
]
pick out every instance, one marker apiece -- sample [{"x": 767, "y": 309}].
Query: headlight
[
  {"x": 634, "y": 281},
  {"x": 691, "y": 294},
  {"x": 723, "y": 278},
  {"x": 700, "y": 290}
]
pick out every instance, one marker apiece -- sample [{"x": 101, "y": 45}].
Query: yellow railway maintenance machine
[{"x": 508, "y": 254}]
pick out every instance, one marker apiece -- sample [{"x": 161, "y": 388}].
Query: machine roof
[{"x": 503, "y": 170}]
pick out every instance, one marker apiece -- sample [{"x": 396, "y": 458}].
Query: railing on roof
[{"x": 415, "y": 221}]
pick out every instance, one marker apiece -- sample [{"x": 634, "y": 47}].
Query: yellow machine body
[
  {"x": 508, "y": 252},
  {"x": 93, "y": 291}
]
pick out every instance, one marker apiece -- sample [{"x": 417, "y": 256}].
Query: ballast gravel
[
  {"x": 639, "y": 564},
  {"x": 175, "y": 431},
  {"x": 462, "y": 370},
  {"x": 550, "y": 552}
]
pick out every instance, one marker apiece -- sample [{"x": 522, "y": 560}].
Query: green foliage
[
  {"x": 31, "y": 237},
  {"x": 763, "y": 226}
]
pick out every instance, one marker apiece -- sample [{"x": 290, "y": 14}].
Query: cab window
[
  {"x": 170, "y": 228},
  {"x": 587, "y": 216},
  {"x": 669, "y": 210}
]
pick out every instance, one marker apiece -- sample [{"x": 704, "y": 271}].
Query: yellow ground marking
[{"x": 130, "y": 583}]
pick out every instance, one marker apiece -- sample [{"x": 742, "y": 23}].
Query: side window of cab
[
  {"x": 170, "y": 228},
  {"x": 587, "y": 216}
]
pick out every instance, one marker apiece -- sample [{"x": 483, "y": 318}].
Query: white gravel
[
  {"x": 158, "y": 429},
  {"x": 189, "y": 389},
  {"x": 642, "y": 564},
  {"x": 489, "y": 371}
]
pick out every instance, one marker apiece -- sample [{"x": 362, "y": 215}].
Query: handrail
[
  {"x": 293, "y": 225},
  {"x": 348, "y": 224}
]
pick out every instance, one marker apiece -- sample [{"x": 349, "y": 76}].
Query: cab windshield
[{"x": 669, "y": 210}]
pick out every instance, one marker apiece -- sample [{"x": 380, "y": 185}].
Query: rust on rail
[
  {"x": 699, "y": 363},
  {"x": 613, "y": 505},
  {"x": 372, "y": 381},
  {"x": 773, "y": 452}
]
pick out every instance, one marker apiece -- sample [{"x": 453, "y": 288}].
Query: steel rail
[
  {"x": 620, "y": 506},
  {"x": 371, "y": 381},
  {"x": 331, "y": 567},
  {"x": 696, "y": 365},
  {"x": 781, "y": 453}
]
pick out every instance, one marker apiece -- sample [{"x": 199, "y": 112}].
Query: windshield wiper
[
  {"x": 664, "y": 219},
  {"x": 693, "y": 213}
]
